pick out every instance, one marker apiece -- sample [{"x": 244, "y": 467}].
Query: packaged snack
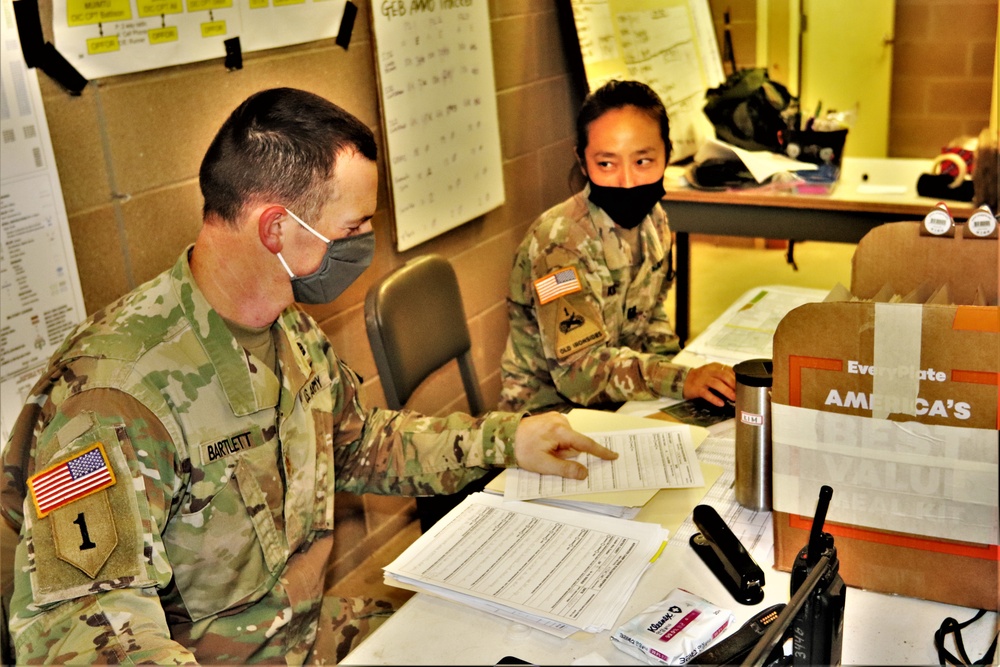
[{"x": 674, "y": 630}]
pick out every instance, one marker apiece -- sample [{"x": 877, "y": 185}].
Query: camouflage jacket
[
  {"x": 588, "y": 324},
  {"x": 205, "y": 528}
]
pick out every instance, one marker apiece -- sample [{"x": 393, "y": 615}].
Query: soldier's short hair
[
  {"x": 279, "y": 144},
  {"x": 616, "y": 94}
]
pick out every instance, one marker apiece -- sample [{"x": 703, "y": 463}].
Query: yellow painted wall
[
  {"x": 943, "y": 72},
  {"x": 847, "y": 68},
  {"x": 995, "y": 99}
]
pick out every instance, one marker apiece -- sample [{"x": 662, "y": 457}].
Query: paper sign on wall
[
  {"x": 40, "y": 296},
  {"x": 669, "y": 45},
  {"x": 120, "y": 36},
  {"x": 439, "y": 113}
]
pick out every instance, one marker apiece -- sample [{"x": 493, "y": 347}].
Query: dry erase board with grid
[
  {"x": 669, "y": 45},
  {"x": 439, "y": 114}
]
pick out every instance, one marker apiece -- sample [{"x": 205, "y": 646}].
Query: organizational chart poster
[
  {"x": 40, "y": 297},
  {"x": 109, "y": 37}
]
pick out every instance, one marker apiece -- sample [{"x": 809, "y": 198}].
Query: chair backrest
[
  {"x": 8, "y": 543},
  {"x": 416, "y": 324}
]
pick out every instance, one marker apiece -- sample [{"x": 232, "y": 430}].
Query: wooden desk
[{"x": 845, "y": 215}]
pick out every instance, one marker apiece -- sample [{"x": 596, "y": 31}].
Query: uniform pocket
[{"x": 218, "y": 552}]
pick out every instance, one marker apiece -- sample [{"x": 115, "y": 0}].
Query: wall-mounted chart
[
  {"x": 439, "y": 114},
  {"x": 668, "y": 44},
  {"x": 40, "y": 296},
  {"x": 113, "y": 37}
]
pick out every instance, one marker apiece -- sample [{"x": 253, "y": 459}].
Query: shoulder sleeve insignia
[
  {"x": 557, "y": 284},
  {"x": 70, "y": 480},
  {"x": 576, "y": 330}
]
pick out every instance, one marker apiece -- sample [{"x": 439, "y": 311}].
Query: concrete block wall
[
  {"x": 944, "y": 57},
  {"x": 129, "y": 147},
  {"x": 128, "y": 150}
]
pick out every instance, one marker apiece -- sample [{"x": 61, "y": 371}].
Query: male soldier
[
  {"x": 588, "y": 290},
  {"x": 173, "y": 473}
]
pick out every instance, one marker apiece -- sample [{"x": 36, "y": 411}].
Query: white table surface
[{"x": 879, "y": 629}]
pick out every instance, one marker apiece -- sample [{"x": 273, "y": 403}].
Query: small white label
[
  {"x": 982, "y": 223},
  {"x": 937, "y": 222},
  {"x": 751, "y": 419}
]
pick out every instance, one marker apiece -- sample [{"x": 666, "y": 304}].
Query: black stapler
[{"x": 726, "y": 556}]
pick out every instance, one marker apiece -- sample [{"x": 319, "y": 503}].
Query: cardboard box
[
  {"x": 898, "y": 255},
  {"x": 896, "y": 407}
]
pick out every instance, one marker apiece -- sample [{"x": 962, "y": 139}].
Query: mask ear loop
[
  {"x": 311, "y": 231},
  {"x": 285, "y": 264}
]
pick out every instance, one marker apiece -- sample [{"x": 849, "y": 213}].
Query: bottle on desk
[{"x": 753, "y": 434}]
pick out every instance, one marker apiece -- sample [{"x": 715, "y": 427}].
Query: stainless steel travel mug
[{"x": 753, "y": 434}]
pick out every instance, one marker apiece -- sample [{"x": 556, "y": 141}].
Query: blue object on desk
[{"x": 827, "y": 173}]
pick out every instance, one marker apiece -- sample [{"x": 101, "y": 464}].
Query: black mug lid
[{"x": 754, "y": 372}]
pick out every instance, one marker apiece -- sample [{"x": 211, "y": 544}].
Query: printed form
[
  {"x": 648, "y": 458},
  {"x": 746, "y": 329},
  {"x": 554, "y": 569}
]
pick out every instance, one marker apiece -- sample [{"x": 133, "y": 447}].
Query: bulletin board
[
  {"x": 114, "y": 37},
  {"x": 668, "y": 44},
  {"x": 439, "y": 114}
]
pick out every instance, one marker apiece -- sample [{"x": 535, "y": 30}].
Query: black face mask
[{"x": 627, "y": 206}]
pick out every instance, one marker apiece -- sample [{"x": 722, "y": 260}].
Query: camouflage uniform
[
  {"x": 212, "y": 539},
  {"x": 588, "y": 325}
]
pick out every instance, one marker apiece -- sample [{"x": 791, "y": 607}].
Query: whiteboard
[
  {"x": 669, "y": 45},
  {"x": 439, "y": 114}
]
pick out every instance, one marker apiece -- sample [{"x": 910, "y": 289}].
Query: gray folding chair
[
  {"x": 416, "y": 324},
  {"x": 8, "y": 543}
]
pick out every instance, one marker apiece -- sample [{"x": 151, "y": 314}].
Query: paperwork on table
[
  {"x": 552, "y": 569},
  {"x": 746, "y": 329},
  {"x": 618, "y": 503},
  {"x": 762, "y": 165},
  {"x": 661, "y": 457}
]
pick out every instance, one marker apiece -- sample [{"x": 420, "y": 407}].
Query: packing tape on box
[
  {"x": 923, "y": 479},
  {"x": 896, "y": 345}
]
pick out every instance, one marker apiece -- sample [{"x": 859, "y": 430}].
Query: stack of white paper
[
  {"x": 761, "y": 164},
  {"x": 617, "y": 488},
  {"x": 607, "y": 509},
  {"x": 661, "y": 457},
  {"x": 554, "y": 569}
]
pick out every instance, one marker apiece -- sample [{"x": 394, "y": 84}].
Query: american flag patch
[
  {"x": 71, "y": 480},
  {"x": 557, "y": 284}
]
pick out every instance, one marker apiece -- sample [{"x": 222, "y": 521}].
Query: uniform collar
[
  {"x": 247, "y": 390},
  {"x": 615, "y": 254}
]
